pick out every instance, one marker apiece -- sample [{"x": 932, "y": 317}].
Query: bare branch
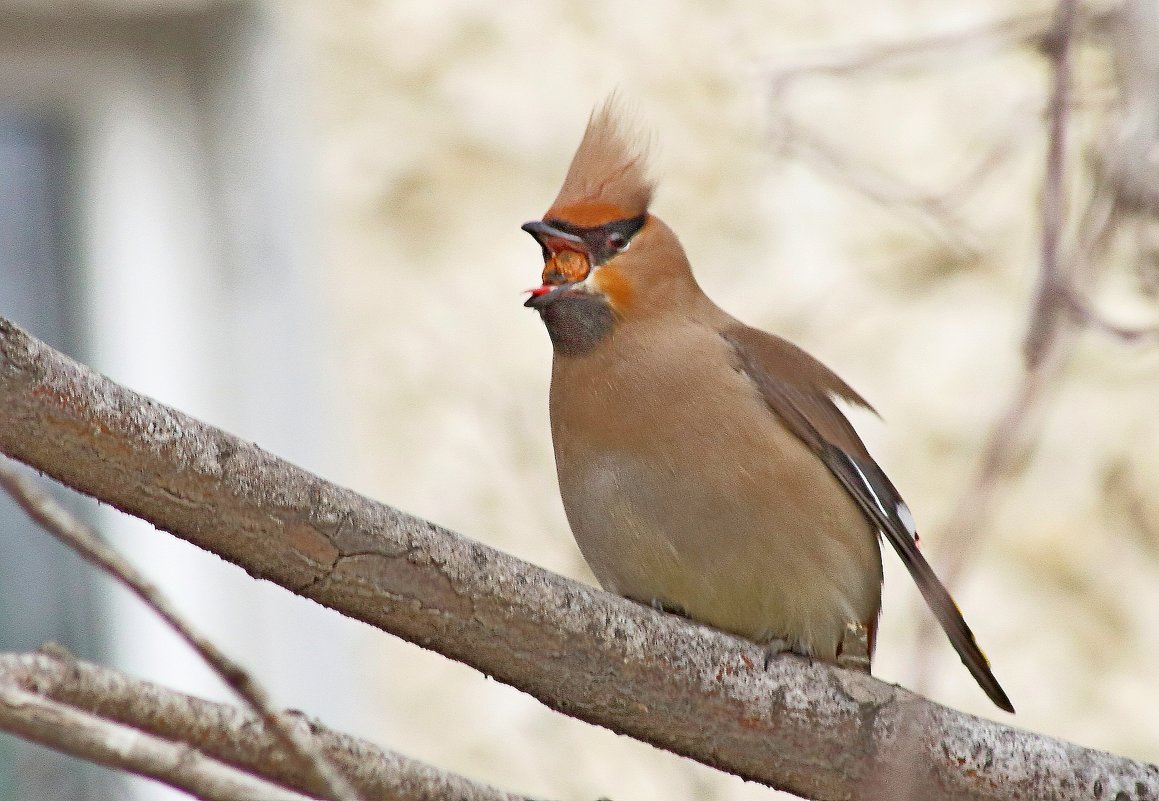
[
  {"x": 937, "y": 212},
  {"x": 1050, "y": 297},
  {"x": 1060, "y": 309},
  {"x": 964, "y": 46},
  {"x": 1009, "y": 438},
  {"x": 230, "y": 734},
  {"x": 932, "y": 211},
  {"x": 1089, "y": 316},
  {"x": 815, "y": 730},
  {"x": 1045, "y": 352},
  {"x": 55, "y": 725},
  {"x": 63, "y": 525},
  {"x": 1130, "y": 155}
]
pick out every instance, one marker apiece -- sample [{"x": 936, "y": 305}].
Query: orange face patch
[
  {"x": 566, "y": 266},
  {"x": 615, "y": 286}
]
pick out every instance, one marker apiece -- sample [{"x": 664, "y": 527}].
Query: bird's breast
[{"x": 682, "y": 488}]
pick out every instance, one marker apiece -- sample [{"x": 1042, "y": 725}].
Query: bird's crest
[{"x": 608, "y": 177}]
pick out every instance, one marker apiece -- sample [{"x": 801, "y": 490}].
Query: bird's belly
[{"x": 760, "y": 550}]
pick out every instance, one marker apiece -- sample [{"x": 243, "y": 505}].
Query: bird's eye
[{"x": 617, "y": 242}]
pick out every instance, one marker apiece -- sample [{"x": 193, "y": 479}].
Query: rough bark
[
  {"x": 36, "y": 718},
  {"x": 815, "y": 730},
  {"x": 221, "y": 732}
]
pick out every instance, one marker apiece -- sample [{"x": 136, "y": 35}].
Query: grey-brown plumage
[{"x": 703, "y": 464}]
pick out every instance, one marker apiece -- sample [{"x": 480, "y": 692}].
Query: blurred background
[{"x": 300, "y": 221}]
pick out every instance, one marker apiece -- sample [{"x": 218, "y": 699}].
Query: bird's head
[{"x": 606, "y": 260}]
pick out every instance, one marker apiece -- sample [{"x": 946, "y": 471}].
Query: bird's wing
[{"x": 800, "y": 390}]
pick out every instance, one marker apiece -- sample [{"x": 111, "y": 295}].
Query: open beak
[
  {"x": 566, "y": 267},
  {"x": 543, "y": 295},
  {"x": 544, "y": 232}
]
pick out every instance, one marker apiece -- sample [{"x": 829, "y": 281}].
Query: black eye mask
[{"x": 603, "y": 241}]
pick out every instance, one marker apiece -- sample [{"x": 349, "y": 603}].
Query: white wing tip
[{"x": 907, "y": 519}]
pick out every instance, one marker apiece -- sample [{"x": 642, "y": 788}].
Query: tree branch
[
  {"x": 815, "y": 730},
  {"x": 940, "y": 212},
  {"x": 63, "y": 525},
  {"x": 964, "y": 46},
  {"x": 228, "y": 733},
  {"x": 1050, "y": 296},
  {"x": 1060, "y": 310},
  {"x": 57, "y": 726}
]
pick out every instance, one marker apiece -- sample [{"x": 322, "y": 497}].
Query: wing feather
[{"x": 805, "y": 404}]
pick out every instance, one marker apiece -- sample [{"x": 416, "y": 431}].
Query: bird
[{"x": 704, "y": 466}]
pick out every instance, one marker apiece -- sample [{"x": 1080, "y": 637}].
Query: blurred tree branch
[
  {"x": 816, "y": 730},
  {"x": 63, "y": 525},
  {"x": 41, "y": 720},
  {"x": 1123, "y": 194},
  {"x": 1076, "y": 245},
  {"x": 939, "y": 211},
  {"x": 226, "y": 740}
]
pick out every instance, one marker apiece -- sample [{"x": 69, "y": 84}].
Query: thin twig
[
  {"x": 1045, "y": 349},
  {"x": 933, "y": 211},
  {"x": 1090, "y": 317},
  {"x": 937, "y": 212},
  {"x": 1050, "y": 304},
  {"x": 55, "y": 519},
  {"x": 1008, "y": 438},
  {"x": 230, "y": 733},
  {"x": 58, "y": 726},
  {"x": 963, "y": 45}
]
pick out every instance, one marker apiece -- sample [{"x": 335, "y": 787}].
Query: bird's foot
[
  {"x": 660, "y": 605},
  {"x": 775, "y": 648}
]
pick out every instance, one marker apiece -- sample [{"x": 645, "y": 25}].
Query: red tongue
[{"x": 540, "y": 290}]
